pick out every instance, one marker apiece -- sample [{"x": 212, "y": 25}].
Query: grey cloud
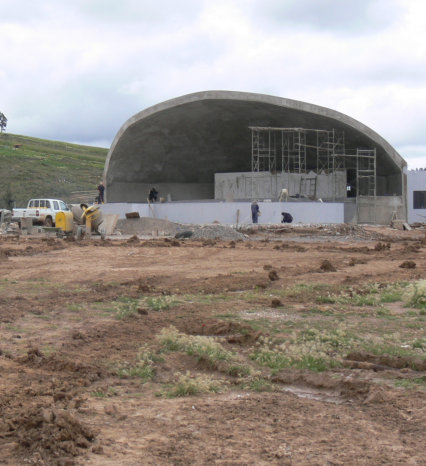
[
  {"x": 339, "y": 16},
  {"x": 145, "y": 12}
]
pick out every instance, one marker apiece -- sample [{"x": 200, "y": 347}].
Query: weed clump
[
  {"x": 312, "y": 349},
  {"x": 143, "y": 368},
  {"x": 191, "y": 385},
  {"x": 161, "y": 303},
  {"x": 415, "y": 294},
  {"x": 204, "y": 348},
  {"x": 125, "y": 307}
]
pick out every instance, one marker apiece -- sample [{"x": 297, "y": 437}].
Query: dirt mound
[
  {"x": 235, "y": 332},
  {"x": 408, "y": 265},
  {"x": 356, "y": 261},
  {"x": 273, "y": 275},
  {"x": 382, "y": 246},
  {"x": 35, "y": 358},
  {"x": 53, "y": 435},
  {"x": 327, "y": 266}
]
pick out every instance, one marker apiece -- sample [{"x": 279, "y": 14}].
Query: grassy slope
[{"x": 42, "y": 168}]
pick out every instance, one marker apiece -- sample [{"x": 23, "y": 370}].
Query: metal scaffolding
[
  {"x": 366, "y": 172},
  {"x": 290, "y": 149},
  {"x": 301, "y": 150}
]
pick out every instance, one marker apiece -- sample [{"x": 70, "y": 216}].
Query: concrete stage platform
[{"x": 233, "y": 212}]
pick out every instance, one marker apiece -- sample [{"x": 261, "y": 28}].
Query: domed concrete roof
[{"x": 181, "y": 143}]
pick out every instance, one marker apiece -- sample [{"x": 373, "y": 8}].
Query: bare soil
[{"x": 63, "y": 401}]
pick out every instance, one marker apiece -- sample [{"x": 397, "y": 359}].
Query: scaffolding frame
[{"x": 286, "y": 150}]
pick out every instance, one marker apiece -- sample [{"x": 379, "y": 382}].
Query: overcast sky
[{"x": 76, "y": 70}]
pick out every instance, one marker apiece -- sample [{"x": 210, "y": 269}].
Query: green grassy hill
[{"x": 31, "y": 167}]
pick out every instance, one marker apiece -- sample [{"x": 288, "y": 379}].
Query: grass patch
[
  {"x": 415, "y": 295},
  {"x": 203, "y": 348},
  {"x": 74, "y": 307},
  {"x": 312, "y": 349},
  {"x": 325, "y": 300},
  {"x": 411, "y": 383},
  {"x": 239, "y": 370},
  {"x": 125, "y": 307},
  {"x": 392, "y": 296},
  {"x": 257, "y": 384},
  {"x": 144, "y": 367},
  {"x": 316, "y": 310},
  {"x": 389, "y": 349},
  {"x": 57, "y": 169},
  {"x": 191, "y": 385},
  {"x": 138, "y": 371},
  {"x": 161, "y": 303}
]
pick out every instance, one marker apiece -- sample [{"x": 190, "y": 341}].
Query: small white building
[{"x": 416, "y": 195}]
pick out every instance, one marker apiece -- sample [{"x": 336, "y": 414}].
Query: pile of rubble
[
  {"x": 212, "y": 231},
  {"x": 156, "y": 227},
  {"x": 304, "y": 230}
]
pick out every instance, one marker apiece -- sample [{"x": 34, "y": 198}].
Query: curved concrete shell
[{"x": 178, "y": 145}]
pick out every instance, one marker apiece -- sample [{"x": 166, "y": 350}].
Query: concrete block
[
  {"x": 109, "y": 223},
  {"x": 27, "y": 225}
]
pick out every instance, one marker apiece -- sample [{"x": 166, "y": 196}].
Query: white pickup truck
[{"x": 42, "y": 211}]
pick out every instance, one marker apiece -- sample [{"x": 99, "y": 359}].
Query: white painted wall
[
  {"x": 416, "y": 181},
  {"x": 226, "y": 212}
]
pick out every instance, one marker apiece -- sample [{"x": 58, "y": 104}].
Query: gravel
[
  {"x": 157, "y": 227},
  {"x": 213, "y": 231}
]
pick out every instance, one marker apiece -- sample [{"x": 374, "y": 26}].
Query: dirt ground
[{"x": 315, "y": 349}]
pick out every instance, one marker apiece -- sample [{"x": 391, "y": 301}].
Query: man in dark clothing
[
  {"x": 255, "y": 211},
  {"x": 287, "y": 218},
  {"x": 101, "y": 190},
  {"x": 153, "y": 194}
]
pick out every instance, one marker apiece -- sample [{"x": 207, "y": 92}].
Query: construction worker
[
  {"x": 287, "y": 218},
  {"x": 153, "y": 195},
  {"x": 255, "y": 211},
  {"x": 101, "y": 191}
]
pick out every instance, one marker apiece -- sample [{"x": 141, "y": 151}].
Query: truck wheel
[{"x": 48, "y": 222}]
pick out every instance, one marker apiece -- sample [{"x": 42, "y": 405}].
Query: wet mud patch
[{"x": 323, "y": 386}]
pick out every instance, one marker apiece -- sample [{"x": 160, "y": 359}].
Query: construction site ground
[{"x": 294, "y": 345}]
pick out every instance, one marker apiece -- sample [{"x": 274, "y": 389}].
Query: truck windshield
[{"x": 63, "y": 205}]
